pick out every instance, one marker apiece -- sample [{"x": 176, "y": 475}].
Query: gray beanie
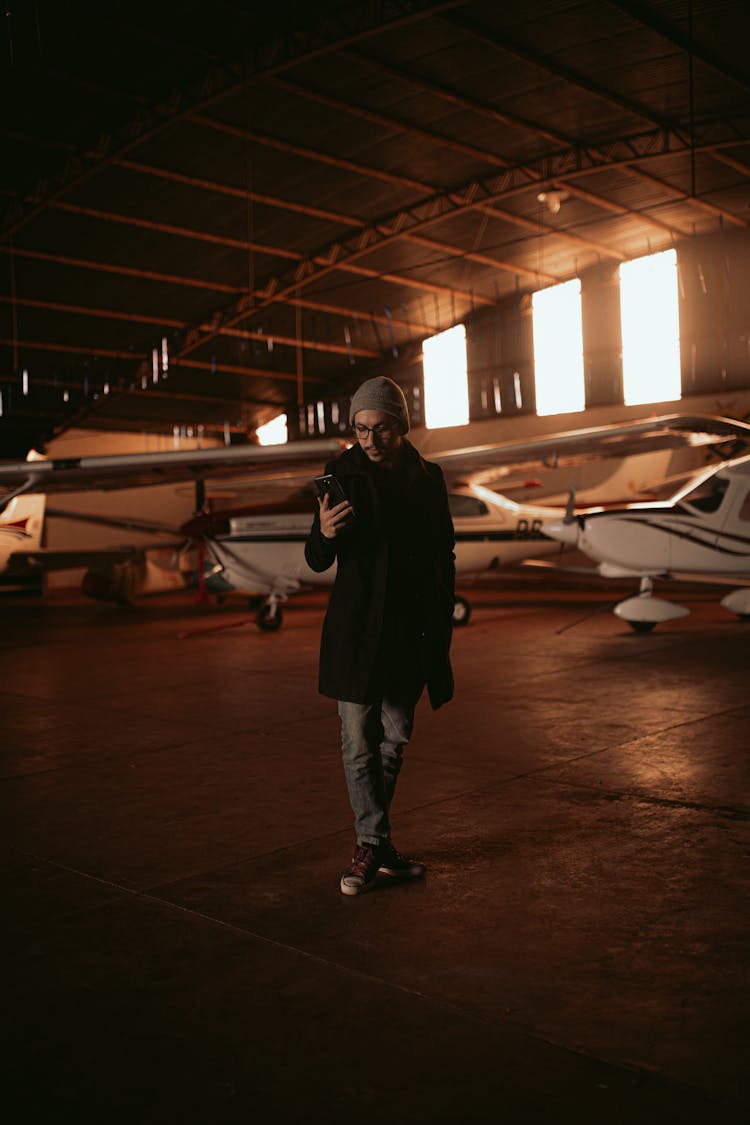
[{"x": 383, "y": 394}]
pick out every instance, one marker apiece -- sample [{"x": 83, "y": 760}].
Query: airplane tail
[{"x": 21, "y": 529}]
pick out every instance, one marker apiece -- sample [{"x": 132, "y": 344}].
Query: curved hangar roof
[{"x": 275, "y": 196}]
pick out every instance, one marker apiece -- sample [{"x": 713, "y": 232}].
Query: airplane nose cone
[{"x": 564, "y": 531}]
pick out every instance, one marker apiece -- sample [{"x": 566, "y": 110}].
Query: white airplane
[
  {"x": 113, "y": 573},
  {"x": 122, "y": 572},
  {"x": 703, "y": 532},
  {"x": 21, "y": 527},
  {"x": 258, "y": 549},
  {"x": 250, "y": 545},
  {"x": 261, "y": 547}
]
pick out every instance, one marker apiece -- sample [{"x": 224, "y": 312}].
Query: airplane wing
[
  {"x": 485, "y": 463},
  {"x": 122, "y": 523},
  {"x": 23, "y": 562},
  {"x": 289, "y": 462},
  {"x": 131, "y": 470}
]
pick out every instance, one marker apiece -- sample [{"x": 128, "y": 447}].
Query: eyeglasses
[{"x": 381, "y": 430}]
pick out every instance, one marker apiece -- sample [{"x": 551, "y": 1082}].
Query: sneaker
[
  {"x": 363, "y": 871},
  {"x": 396, "y": 865}
]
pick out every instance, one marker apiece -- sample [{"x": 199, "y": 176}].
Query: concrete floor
[{"x": 175, "y": 823}]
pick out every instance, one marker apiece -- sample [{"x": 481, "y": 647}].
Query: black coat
[{"x": 351, "y": 639}]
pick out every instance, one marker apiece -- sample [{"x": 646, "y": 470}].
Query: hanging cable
[
  {"x": 691, "y": 96},
  {"x": 9, "y": 28},
  {"x": 298, "y": 334},
  {"x": 13, "y": 302}
]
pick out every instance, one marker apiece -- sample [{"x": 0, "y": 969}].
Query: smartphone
[{"x": 330, "y": 486}]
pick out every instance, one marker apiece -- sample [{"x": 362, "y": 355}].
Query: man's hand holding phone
[
  {"x": 335, "y": 509},
  {"x": 333, "y": 520}
]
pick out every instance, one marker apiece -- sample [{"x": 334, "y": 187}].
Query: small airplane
[
  {"x": 124, "y": 571},
  {"x": 702, "y": 532},
  {"x": 258, "y": 548},
  {"x": 21, "y": 528},
  {"x": 120, "y": 573}
]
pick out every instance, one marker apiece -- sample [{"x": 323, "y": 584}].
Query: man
[{"x": 387, "y": 631}]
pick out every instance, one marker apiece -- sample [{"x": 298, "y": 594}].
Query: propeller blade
[
  {"x": 570, "y": 506},
  {"x": 200, "y": 495}
]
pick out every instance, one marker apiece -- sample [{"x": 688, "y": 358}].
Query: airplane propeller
[
  {"x": 200, "y": 495},
  {"x": 566, "y": 529},
  {"x": 201, "y": 594},
  {"x": 568, "y": 518},
  {"x": 570, "y": 507}
]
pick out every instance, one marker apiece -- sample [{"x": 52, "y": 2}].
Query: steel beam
[
  {"x": 332, "y": 217},
  {"x": 169, "y": 322},
  {"x": 176, "y": 360},
  {"x": 479, "y": 194},
  {"x": 340, "y": 26},
  {"x": 505, "y": 42},
  {"x": 561, "y": 139},
  {"x": 647, "y": 17},
  {"x": 125, "y": 271},
  {"x": 315, "y": 155}
]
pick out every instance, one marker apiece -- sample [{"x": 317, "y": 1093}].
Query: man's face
[{"x": 379, "y": 434}]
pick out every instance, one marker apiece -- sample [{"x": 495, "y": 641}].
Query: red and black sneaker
[
  {"x": 391, "y": 862},
  {"x": 361, "y": 875}
]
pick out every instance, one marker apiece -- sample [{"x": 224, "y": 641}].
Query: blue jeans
[{"x": 373, "y": 736}]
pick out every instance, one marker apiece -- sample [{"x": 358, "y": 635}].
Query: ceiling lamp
[{"x": 553, "y": 199}]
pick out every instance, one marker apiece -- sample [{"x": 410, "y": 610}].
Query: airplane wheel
[
  {"x": 269, "y": 618},
  {"x": 642, "y": 626},
  {"x": 461, "y": 611}
]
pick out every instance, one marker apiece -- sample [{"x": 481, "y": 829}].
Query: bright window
[
  {"x": 650, "y": 329},
  {"x": 446, "y": 385},
  {"x": 273, "y": 432},
  {"x": 558, "y": 349}
]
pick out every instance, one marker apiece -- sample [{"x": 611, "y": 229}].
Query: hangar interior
[
  {"x": 210, "y": 219},
  {"x": 214, "y": 214}
]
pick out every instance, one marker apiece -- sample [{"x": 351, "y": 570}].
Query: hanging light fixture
[{"x": 553, "y": 199}]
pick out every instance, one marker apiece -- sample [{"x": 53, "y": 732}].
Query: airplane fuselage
[
  {"x": 658, "y": 542},
  {"x": 703, "y": 530},
  {"x": 263, "y": 550}
]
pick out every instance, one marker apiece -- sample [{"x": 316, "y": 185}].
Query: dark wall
[{"x": 714, "y": 274}]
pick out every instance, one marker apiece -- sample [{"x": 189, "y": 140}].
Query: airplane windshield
[
  {"x": 462, "y": 505},
  {"x": 708, "y": 495}
]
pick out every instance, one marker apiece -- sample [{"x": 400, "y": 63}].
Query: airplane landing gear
[
  {"x": 461, "y": 611},
  {"x": 642, "y": 626},
  {"x": 644, "y": 611},
  {"x": 738, "y": 602},
  {"x": 269, "y": 616}
]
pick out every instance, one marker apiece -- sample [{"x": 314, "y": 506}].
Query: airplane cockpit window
[
  {"x": 744, "y": 512},
  {"x": 708, "y": 495},
  {"x": 462, "y": 505}
]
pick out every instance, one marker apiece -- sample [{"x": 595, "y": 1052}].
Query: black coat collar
[{"x": 354, "y": 462}]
